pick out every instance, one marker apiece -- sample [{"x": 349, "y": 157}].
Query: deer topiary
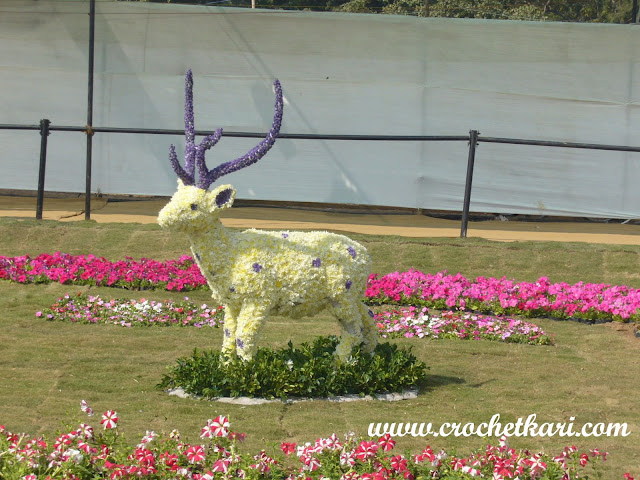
[{"x": 255, "y": 273}]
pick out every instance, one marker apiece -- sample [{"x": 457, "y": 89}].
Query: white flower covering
[{"x": 258, "y": 273}]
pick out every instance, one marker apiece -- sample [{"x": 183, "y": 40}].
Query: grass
[{"x": 591, "y": 373}]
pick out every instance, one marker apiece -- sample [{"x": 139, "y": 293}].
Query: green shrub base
[{"x": 309, "y": 370}]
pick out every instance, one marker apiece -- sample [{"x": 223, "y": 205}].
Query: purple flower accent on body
[
  {"x": 227, "y": 333},
  {"x": 239, "y": 342},
  {"x": 232, "y": 289},
  {"x": 352, "y": 252},
  {"x": 316, "y": 263},
  {"x": 285, "y": 235},
  {"x": 348, "y": 284},
  {"x": 256, "y": 267}
]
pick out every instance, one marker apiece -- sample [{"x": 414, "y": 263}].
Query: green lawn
[{"x": 591, "y": 373}]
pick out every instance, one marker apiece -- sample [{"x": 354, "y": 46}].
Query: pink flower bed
[
  {"x": 83, "y": 308},
  {"x": 403, "y": 322},
  {"x": 501, "y": 296},
  {"x": 180, "y": 275},
  {"x": 590, "y": 301},
  {"x": 418, "y": 322},
  {"x": 85, "y": 452}
]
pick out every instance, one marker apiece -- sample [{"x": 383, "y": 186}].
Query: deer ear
[{"x": 223, "y": 196}]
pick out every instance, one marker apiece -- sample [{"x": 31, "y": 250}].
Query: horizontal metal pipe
[
  {"x": 19, "y": 127},
  {"x": 294, "y": 136},
  {"x": 545, "y": 143},
  {"x": 313, "y": 136},
  {"x": 62, "y": 128},
  {"x": 384, "y": 138}
]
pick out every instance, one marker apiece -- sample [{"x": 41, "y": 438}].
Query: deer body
[{"x": 257, "y": 273}]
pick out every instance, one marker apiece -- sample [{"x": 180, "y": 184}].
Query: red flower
[
  {"x": 195, "y": 453},
  {"x": 222, "y": 465},
  {"x": 109, "y": 419},
  {"x": 312, "y": 464},
  {"x": 398, "y": 463},
  {"x": 84, "y": 406},
  {"x": 237, "y": 436},
  {"x": 288, "y": 448},
  {"x": 170, "y": 460},
  {"x": 427, "y": 454},
  {"x": 145, "y": 457},
  {"x": 366, "y": 450},
  {"x": 502, "y": 470},
  {"x": 218, "y": 427},
  {"x": 110, "y": 465},
  {"x": 386, "y": 442},
  {"x": 372, "y": 476}
]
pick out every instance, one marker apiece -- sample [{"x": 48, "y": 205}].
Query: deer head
[{"x": 193, "y": 206}]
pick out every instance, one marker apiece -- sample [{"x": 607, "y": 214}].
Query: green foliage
[
  {"x": 358, "y": 6},
  {"x": 604, "y": 11},
  {"x": 307, "y": 370}
]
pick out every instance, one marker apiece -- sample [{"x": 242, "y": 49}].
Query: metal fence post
[
  {"x": 44, "y": 133},
  {"x": 89, "y": 130},
  {"x": 473, "y": 142}
]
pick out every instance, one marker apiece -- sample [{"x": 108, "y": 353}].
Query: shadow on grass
[{"x": 433, "y": 381}]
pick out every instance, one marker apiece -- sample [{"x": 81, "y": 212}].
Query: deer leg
[
  {"x": 250, "y": 319},
  {"x": 229, "y": 334},
  {"x": 370, "y": 332},
  {"x": 350, "y": 319}
]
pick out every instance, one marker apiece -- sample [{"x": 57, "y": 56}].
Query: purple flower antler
[
  {"x": 194, "y": 155},
  {"x": 191, "y": 151},
  {"x": 207, "y": 177}
]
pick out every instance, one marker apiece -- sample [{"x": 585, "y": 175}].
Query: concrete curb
[{"x": 385, "y": 397}]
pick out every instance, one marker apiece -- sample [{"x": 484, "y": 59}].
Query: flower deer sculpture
[{"x": 260, "y": 273}]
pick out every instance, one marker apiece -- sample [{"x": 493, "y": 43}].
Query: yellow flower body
[{"x": 259, "y": 273}]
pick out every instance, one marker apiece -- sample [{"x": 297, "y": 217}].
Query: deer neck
[{"x": 210, "y": 242}]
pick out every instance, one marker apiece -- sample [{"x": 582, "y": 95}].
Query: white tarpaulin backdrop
[{"x": 341, "y": 74}]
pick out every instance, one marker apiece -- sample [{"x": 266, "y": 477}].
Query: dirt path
[{"x": 292, "y": 219}]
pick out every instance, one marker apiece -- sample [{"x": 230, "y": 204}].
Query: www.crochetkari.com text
[{"x": 522, "y": 427}]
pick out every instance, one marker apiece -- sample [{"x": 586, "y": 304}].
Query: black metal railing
[{"x": 473, "y": 139}]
